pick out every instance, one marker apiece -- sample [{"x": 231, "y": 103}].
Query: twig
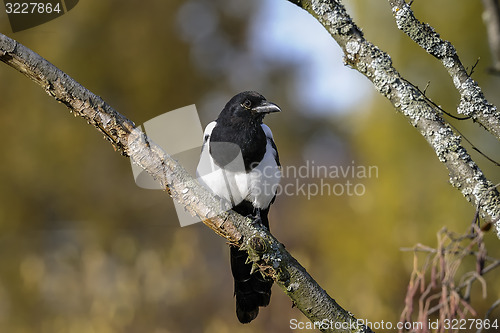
[
  {"x": 473, "y": 67},
  {"x": 490, "y": 310},
  {"x": 488, "y": 314}
]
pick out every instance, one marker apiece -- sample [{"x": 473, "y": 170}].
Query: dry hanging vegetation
[{"x": 442, "y": 280}]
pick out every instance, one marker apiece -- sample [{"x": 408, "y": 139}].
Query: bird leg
[{"x": 255, "y": 217}]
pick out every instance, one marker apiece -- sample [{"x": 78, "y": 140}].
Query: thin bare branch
[{"x": 487, "y": 316}]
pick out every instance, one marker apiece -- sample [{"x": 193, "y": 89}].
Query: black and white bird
[{"x": 239, "y": 163}]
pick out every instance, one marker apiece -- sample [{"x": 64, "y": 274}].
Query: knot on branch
[
  {"x": 257, "y": 248},
  {"x": 258, "y": 245}
]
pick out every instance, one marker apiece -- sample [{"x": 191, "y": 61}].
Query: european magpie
[{"x": 239, "y": 163}]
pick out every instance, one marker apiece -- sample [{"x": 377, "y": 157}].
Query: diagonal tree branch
[
  {"x": 265, "y": 250},
  {"x": 472, "y": 101},
  {"x": 376, "y": 65}
]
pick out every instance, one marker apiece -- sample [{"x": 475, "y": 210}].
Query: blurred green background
[{"x": 83, "y": 249}]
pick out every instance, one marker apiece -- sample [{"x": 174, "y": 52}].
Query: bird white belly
[
  {"x": 258, "y": 186},
  {"x": 264, "y": 180}
]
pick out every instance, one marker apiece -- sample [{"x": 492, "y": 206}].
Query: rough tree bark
[
  {"x": 472, "y": 101},
  {"x": 424, "y": 115},
  {"x": 265, "y": 250}
]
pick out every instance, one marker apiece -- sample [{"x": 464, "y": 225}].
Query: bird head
[{"x": 247, "y": 106}]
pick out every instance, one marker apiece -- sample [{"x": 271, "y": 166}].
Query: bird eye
[{"x": 246, "y": 104}]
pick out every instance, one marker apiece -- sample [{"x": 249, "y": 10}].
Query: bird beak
[{"x": 267, "y": 107}]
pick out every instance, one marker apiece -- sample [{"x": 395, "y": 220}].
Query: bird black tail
[{"x": 251, "y": 290}]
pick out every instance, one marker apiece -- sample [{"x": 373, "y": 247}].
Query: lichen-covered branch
[
  {"x": 269, "y": 254},
  {"x": 376, "y": 65},
  {"x": 472, "y": 101}
]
